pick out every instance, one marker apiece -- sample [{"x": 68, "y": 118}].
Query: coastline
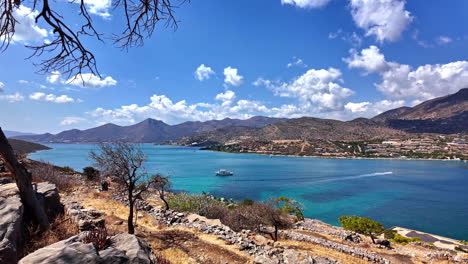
[{"x": 328, "y": 157}]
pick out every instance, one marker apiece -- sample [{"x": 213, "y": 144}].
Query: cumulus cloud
[
  {"x": 203, "y": 72},
  {"x": 306, "y": 3},
  {"x": 98, "y": 7},
  {"x": 11, "y": 98},
  {"x": 54, "y": 77},
  {"x": 319, "y": 88},
  {"x": 2, "y": 85},
  {"x": 369, "y": 59},
  {"x": 296, "y": 62},
  {"x": 89, "y": 80},
  {"x": 71, "y": 120},
  {"x": 59, "y": 99},
  {"x": 370, "y": 109},
  {"x": 383, "y": 19},
  {"x": 403, "y": 82},
  {"x": 26, "y": 28},
  {"x": 231, "y": 77},
  {"x": 227, "y": 97}
]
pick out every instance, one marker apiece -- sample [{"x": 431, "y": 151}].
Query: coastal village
[{"x": 425, "y": 146}]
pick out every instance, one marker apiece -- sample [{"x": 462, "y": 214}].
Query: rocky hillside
[
  {"x": 148, "y": 131},
  {"x": 445, "y": 115},
  {"x": 25, "y": 147}
]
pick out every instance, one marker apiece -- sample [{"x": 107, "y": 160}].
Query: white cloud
[
  {"x": 16, "y": 97},
  {"x": 203, "y": 72},
  {"x": 2, "y": 85},
  {"x": 54, "y": 77},
  {"x": 71, "y": 120},
  {"x": 296, "y": 62},
  {"x": 231, "y": 77},
  {"x": 352, "y": 38},
  {"x": 368, "y": 109},
  {"x": 384, "y": 19},
  {"x": 23, "y": 82},
  {"x": 369, "y": 59},
  {"x": 98, "y": 7},
  {"x": 26, "y": 28},
  {"x": 424, "y": 82},
  {"x": 59, "y": 99},
  {"x": 306, "y": 3},
  {"x": 227, "y": 97},
  {"x": 401, "y": 81},
  {"x": 443, "y": 40},
  {"x": 89, "y": 80},
  {"x": 317, "y": 88}
]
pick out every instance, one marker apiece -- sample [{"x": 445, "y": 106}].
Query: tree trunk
[
  {"x": 23, "y": 180},
  {"x": 131, "y": 228},
  {"x": 372, "y": 237},
  {"x": 164, "y": 200},
  {"x": 276, "y": 233}
]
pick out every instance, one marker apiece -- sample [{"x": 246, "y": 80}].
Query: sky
[{"x": 338, "y": 59}]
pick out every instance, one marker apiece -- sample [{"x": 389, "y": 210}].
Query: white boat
[{"x": 224, "y": 173}]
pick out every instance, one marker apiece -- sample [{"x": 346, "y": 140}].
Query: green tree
[
  {"x": 161, "y": 184},
  {"x": 361, "y": 225},
  {"x": 290, "y": 206}
]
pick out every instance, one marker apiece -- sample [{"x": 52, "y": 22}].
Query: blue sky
[{"x": 338, "y": 59}]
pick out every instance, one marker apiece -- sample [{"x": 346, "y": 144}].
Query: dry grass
[
  {"x": 61, "y": 228},
  {"x": 177, "y": 256},
  {"x": 322, "y": 251},
  {"x": 46, "y": 172}
]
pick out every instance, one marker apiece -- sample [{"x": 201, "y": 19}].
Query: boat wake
[{"x": 355, "y": 177}]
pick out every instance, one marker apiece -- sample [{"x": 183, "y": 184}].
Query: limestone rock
[
  {"x": 125, "y": 249},
  {"x": 48, "y": 193},
  {"x": 291, "y": 256},
  {"x": 137, "y": 250},
  {"x": 11, "y": 224}
]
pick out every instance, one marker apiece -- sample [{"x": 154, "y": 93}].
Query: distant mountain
[
  {"x": 9, "y": 133},
  {"x": 445, "y": 115},
  {"x": 308, "y": 128},
  {"x": 25, "y": 147},
  {"x": 148, "y": 131}
]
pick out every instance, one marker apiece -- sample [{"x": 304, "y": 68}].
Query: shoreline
[{"x": 327, "y": 157}]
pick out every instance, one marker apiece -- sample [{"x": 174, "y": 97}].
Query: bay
[{"x": 426, "y": 195}]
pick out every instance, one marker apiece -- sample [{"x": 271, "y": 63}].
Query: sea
[{"x": 425, "y": 195}]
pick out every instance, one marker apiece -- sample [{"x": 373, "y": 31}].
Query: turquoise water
[{"x": 430, "y": 196}]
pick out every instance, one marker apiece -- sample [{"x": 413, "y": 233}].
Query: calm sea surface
[{"x": 430, "y": 196}]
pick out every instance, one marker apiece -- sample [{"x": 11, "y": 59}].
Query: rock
[
  {"x": 69, "y": 251},
  {"x": 137, "y": 250},
  {"x": 291, "y": 256},
  {"x": 323, "y": 260},
  {"x": 260, "y": 240},
  {"x": 49, "y": 195},
  {"x": 125, "y": 248},
  {"x": 11, "y": 224},
  {"x": 262, "y": 259}
]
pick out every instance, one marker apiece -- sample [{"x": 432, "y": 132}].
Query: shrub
[
  {"x": 247, "y": 202},
  {"x": 68, "y": 169},
  {"x": 98, "y": 237},
  {"x": 399, "y": 239},
  {"x": 91, "y": 173},
  {"x": 162, "y": 260},
  {"x": 47, "y": 172},
  {"x": 196, "y": 203},
  {"x": 389, "y": 233},
  {"x": 361, "y": 225}
]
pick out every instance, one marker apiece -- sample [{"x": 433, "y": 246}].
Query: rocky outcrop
[
  {"x": 318, "y": 226},
  {"x": 12, "y": 226},
  {"x": 125, "y": 248},
  {"x": 12, "y": 233},
  {"x": 86, "y": 219},
  {"x": 49, "y": 195}
]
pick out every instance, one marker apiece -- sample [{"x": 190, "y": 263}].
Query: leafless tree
[
  {"x": 161, "y": 184},
  {"x": 123, "y": 162},
  {"x": 68, "y": 53}
]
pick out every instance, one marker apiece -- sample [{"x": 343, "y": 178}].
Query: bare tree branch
[{"x": 69, "y": 55}]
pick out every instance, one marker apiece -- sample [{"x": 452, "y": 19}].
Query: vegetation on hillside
[{"x": 21, "y": 147}]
